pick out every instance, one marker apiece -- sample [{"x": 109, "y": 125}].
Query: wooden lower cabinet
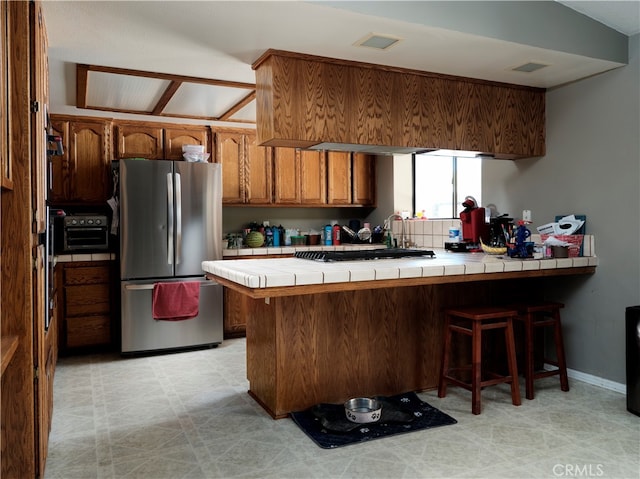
[{"x": 87, "y": 305}]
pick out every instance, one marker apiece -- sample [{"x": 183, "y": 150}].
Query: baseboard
[{"x": 593, "y": 380}]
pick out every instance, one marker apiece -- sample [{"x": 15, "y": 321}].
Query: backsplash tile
[{"x": 426, "y": 233}]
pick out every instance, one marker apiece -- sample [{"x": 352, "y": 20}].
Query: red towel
[{"x": 176, "y": 301}]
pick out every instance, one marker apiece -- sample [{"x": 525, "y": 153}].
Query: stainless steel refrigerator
[{"x": 170, "y": 219}]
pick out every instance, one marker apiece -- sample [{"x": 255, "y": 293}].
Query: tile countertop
[
  {"x": 68, "y": 258},
  {"x": 289, "y": 250},
  {"x": 277, "y": 272}
]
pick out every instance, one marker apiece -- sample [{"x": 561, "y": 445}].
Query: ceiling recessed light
[
  {"x": 529, "y": 67},
  {"x": 378, "y": 41}
]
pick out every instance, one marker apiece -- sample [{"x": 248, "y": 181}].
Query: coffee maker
[
  {"x": 474, "y": 227},
  {"x": 500, "y": 227}
]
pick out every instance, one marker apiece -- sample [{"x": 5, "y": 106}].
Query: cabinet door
[
  {"x": 230, "y": 153},
  {"x": 88, "y": 331},
  {"x": 138, "y": 141},
  {"x": 338, "y": 178},
  {"x": 60, "y": 186},
  {"x": 236, "y": 308},
  {"x": 474, "y": 117},
  {"x": 364, "y": 179},
  {"x": 89, "y": 161},
  {"x": 519, "y": 123},
  {"x": 286, "y": 170},
  {"x": 174, "y": 138},
  {"x": 40, "y": 92},
  {"x": 258, "y": 172},
  {"x": 87, "y": 304},
  {"x": 313, "y": 177}
]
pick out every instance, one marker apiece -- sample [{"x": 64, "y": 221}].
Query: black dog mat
[{"x": 328, "y": 427}]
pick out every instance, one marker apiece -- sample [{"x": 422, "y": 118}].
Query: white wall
[{"x": 592, "y": 167}]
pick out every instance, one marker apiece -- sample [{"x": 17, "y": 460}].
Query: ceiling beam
[
  {"x": 176, "y": 81},
  {"x": 238, "y": 106},
  {"x": 82, "y": 84},
  {"x": 168, "y": 76},
  {"x": 166, "y": 97}
]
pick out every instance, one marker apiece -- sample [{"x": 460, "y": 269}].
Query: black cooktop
[{"x": 364, "y": 254}]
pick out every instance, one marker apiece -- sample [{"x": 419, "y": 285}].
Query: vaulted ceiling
[{"x": 192, "y": 59}]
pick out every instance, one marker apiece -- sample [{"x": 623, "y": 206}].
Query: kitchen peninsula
[{"x": 329, "y": 331}]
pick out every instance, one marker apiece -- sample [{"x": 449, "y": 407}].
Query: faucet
[{"x": 387, "y": 226}]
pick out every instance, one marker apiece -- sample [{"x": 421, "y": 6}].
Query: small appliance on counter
[{"x": 474, "y": 228}]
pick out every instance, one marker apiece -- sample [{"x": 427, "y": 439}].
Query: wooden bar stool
[
  {"x": 472, "y": 322},
  {"x": 541, "y": 315}
]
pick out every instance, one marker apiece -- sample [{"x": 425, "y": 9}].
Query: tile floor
[{"x": 188, "y": 415}]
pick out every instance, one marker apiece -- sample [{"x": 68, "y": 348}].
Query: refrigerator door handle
[
  {"x": 138, "y": 287},
  {"x": 178, "y": 218},
  {"x": 169, "y": 218}
]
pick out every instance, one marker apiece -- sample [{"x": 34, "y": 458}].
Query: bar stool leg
[
  {"x": 529, "y": 356},
  {"x": 442, "y": 384},
  {"x": 511, "y": 359},
  {"x": 562, "y": 363},
  {"x": 476, "y": 367}
]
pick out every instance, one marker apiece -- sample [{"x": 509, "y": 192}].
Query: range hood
[{"x": 372, "y": 149}]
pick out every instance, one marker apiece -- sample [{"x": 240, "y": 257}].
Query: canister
[
  {"x": 454, "y": 234},
  {"x": 336, "y": 234},
  {"x": 328, "y": 235}
]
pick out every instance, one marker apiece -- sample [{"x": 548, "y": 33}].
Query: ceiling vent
[
  {"x": 378, "y": 41},
  {"x": 529, "y": 67}
]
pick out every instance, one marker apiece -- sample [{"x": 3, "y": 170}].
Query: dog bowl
[{"x": 362, "y": 410}]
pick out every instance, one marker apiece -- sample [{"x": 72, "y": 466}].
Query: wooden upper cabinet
[
  {"x": 364, "y": 179},
  {"x": 175, "y": 137},
  {"x": 286, "y": 173},
  {"x": 60, "y": 174},
  {"x": 475, "y": 119},
  {"x": 258, "y": 167},
  {"x": 520, "y": 125},
  {"x": 90, "y": 162},
  {"x": 338, "y": 178},
  {"x": 139, "y": 141},
  {"x": 82, "y": 174},
  {"x": 230, "y": 153},
  {"x": 306, "y": 100},
  {"x": 313, "y": 177},
  {"x": 247, "y": 169}
]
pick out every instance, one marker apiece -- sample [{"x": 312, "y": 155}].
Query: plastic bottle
[
  {"x": 276, "y": 235},
  {"x": 328, "y": 234},
  {"x": 269, "y": 236},
  {"x": 336, "y": 234}
]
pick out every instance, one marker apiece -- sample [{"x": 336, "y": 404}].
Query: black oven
[{"x": 84, "y": 232}]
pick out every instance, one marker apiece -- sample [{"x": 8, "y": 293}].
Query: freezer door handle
[
  {"x": 169, "y": 218},
  {"x": 178, "y": 218},
  {"x": 138, "y": 287}
]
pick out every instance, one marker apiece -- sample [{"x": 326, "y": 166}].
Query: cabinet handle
[
  {"x": 138, "y": 287},
  {"x": 169, "y": 218},
  {"x": 178, "y": 218}
]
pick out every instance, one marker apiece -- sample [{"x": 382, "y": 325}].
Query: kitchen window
[{"x": 441, "y": 181}]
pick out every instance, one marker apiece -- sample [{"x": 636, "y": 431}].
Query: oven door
[{"x": 86, "y": 238}]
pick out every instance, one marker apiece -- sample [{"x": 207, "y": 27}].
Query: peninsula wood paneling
[
  {"x": 303, "y": 100},
  {"x": 329, "y": 347}
]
